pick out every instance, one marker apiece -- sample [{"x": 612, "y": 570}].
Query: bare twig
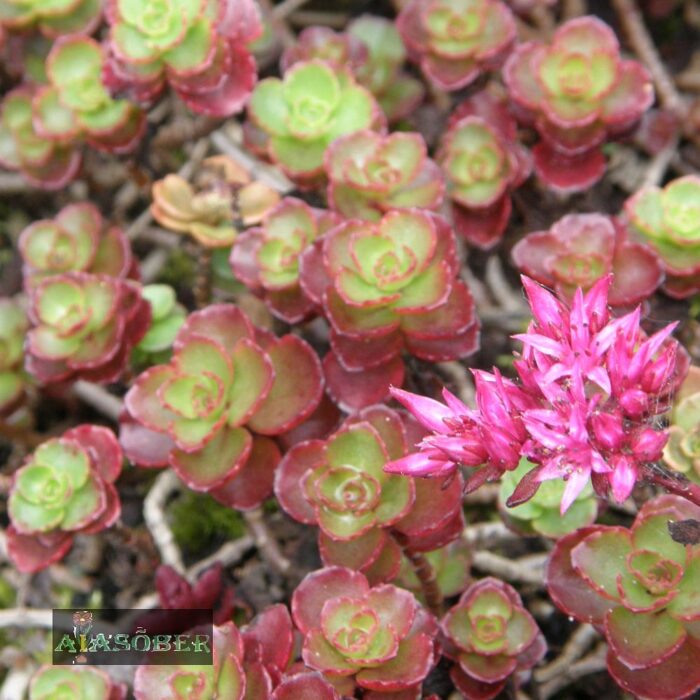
[
  {"x": 486, "y": 535},
  {"x": 99, "y": 398},
  {"x": 660, "y": 163},
  {"x": 17, "y": 679},
  {"x": 424, "y": 573},
  {"x": 14, "y": 183},
  {"x": 265, "y": 542},
  {"x": 592, "y": 663},
  {"x": 504, "y": 294},
  {"x": 152, "y": 265},
  {"x": 578, "y": 643},
  {"x": 306, "y": 18},
  {"x": 164, "y": 486},
  {"x": 202, "y": 279},
  {"x": 286, "y": 7},
  {"x": 529, "y": 569},
  {"x": 26, "y": 617}
]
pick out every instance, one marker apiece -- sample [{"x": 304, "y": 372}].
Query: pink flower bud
[
  {"x": 623, "y": 476},
  {"x": 647, "y": 444},
  {"x": 657, "y": 373},
  {"x": 634, "y": 403},
  {"x": 608, "y": 430}
]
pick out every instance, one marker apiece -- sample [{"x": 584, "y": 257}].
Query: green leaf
[
  {"x": 74, "y": 61},
  {"x": 252, "y": 378},
  {"x": 199, "y": 355},
  {"x": 111, "y": 114},
  {"x": 32, "y": 517},
  {"x": 687, "y": 603},
  {"x": 358, "y": 446},
  {"x": 268, "y": 107},
  {"x": 313, "y": 79},
  {"x": 344, "y": 526},
  {"x": 84, "y": 505},
  {"x": 647, "y": 212},
  {"x": 132, "y": 45},
  {"x": 412, "y": 230},
  {"x": 60, "y": 303},
  {"x": 55, "y": 119},
  {"x": 652, "y": 533},
  {"x": 65, "y": 457},
  {"x": 355, "y": 110},
  {"x": 194, "y": 48},
  {"x": 398, "y": 494},
  {"x": 161, "y": 297},
  {"x": 601, "y": 557},
  {"x": 298, "y": 157}
]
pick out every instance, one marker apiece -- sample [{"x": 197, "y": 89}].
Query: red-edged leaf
[
  {"x": 568, "y": 173},
  {"x": 289, "y": 477},
  {"x": 103, "y": 448},
  {"x": 473, "y": 689},
  {"x": 142, "y": 446},
  {"x": 32, "y": 553},
  {"x": 483, "y": 228},
  {"x": 309, "y": 686}
]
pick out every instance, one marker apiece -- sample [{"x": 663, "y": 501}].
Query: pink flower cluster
[{"x": 585, "y": 407}]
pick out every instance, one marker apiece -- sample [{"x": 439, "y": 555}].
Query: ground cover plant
[{"x": 371, "y": 327}]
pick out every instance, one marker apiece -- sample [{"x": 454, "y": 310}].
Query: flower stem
[
  {"x": 424, "y": 573},
  {"x": 202, "y": 282},
  {"x": 674, "y": 483}
]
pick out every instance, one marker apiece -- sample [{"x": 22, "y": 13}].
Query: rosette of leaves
[
  {"x": 211, "y": 411},
  {"x": 455, "y": 41},
  {"x": 74, "y": 682},
  {"x": 76, "y": 103},
  {"x": 385, "y": 287},
  {"x": 222, "y": 198},
  {"x": 266, "y": 258},
  {"x": 84, "y": 326},
  {"x": 370, "y": 174},
  {"x": 668, "y": 220},
  {"x": 640, "y": 588},
  {"x": 13, "y": 327},
  {"x": 339, "y": 485},
  {"x": 580, "y": 249},
  {"x": 77, "y": 239},
  {"x": 578, "y": 93},
  {"x": 167, "y": 316},
  {"x": 65, "y": 487},
  {"x": 482, "y": 162},
  {"x": 397, "y": 92},
  {"x": 42, "y": 162},
  {"x": 378, "y": 638},
  {"x": 309, "y": 685},
  {"x": 682, "y": 451},
  {"x": 51, "y": 19},
  {"x": 198, "y": 48},
  {"x": 490, "y": 636},
  {"x": 339, "y": 49},
  {"x": 305, "y": 112},
  {"x": 541, "y": 514}
]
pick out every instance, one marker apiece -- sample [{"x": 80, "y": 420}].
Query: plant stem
[
  {"x": 424, "y": 573},
  {"x": 265, "y": 542},
  {"x": 202, "y": 281},
  {"x": 672, "y": 482}
]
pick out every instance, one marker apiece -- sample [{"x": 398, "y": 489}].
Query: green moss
[{"x": 179, "y": 270}]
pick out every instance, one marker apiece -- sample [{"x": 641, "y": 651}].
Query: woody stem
[
  {"x": 424, "y": 573},
  {"x": 202, "y": 282},
  {"x": 676, "y": 484}
]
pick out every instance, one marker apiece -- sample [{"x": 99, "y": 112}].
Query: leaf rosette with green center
[
  {"x": 209, "y": 410},
  {"x": 13, "y": 327},
  {"x": 65, "y": 487},
  {"x": 305, "y": 112},
  {"x": 377, "y": 638},
  {"x": 454, "y": 41},
  {"x": 74, "y": 683},
  {"x": 370, "y": 174},
  {"x": 266, "y": 258},
  {"x": 42, "y": 162},
  {"x": 682, "y": 451},
  {"x": 53, "y": 18},
  {"x": 668, "y": 220},
  {"x": 84, "y": 326},
  {"x": 75, "y": 240},
  {"x": 490, "y": 635},
  {"x": 77, "y": 104},
  {"x": 642, "y": 588}
]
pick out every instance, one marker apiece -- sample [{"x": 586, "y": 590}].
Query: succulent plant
[
  {"x": 490, "y": 636},
  {"x": 640, "y": 588},
  {"x": 668, "y": 220},
  {"x": 302, "y": 114},
  {"x": 380, "y": 637},
  {"x": 541, "y": 514},
  {"x": 77, "y": 104},
  {"x": 75, "y": 683},
  {"x": 309, "y": 685},
  {"x": 338, "y": 484},
  {"x": 210, "y": 409},
  {"x": 167, "y": 316},
  {"x": 370, "y": 174},
  {"x": 42, "y": 162},
  {"x": 578, "y": 93},
  {"x": 13, "y": 327},
  {"x": 482, "y": 162},
  {"x": 382, "y": 73},
  {"x": 266, "y": 258},
  {"x": 682, "y": 451},
  {"x": 223, "y": 198},
  {"x": 454, "y": 41},
  {"x": 84, "y": 326},
  {"x": 579, "y": 249},
  {"x": 65, "y": 487},
  {"x": 52, "y": 20},
  {"x": 335, "y": 48},
  {"x": 386, "y": 286},
  {"x": 77, "y": 239}
]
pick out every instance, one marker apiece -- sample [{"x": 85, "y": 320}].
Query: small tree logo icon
[{"x": 82, "y": 624}]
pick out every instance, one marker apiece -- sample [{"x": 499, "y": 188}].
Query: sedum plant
[
  {"x": 43, "y": 163},
  {"x": 338, "y": 484},
  {"x": 338, "y": 49},
  {"x": 167, "y": 316},
  {"x": 378, "y": 638},
  {"x": 541, "y": 514},
  {"x": 84, "y": 326},
  {"x": 668, "y": 220},
  {"x": 197, "y": 48},
  {"x": 51, "y": 19},
  {"x": 369, "y": 174},
  {"x": 211, "y": 410},
  {"x": 491, "y": 637},
  {"x": 266, "y": 257},
  {"x": 386, "y": 286},
  {"x": 65, "y": 488},
  {"x": 579, "y": 249},
  {"x": 77, "y": 239},
  {"x": 309, "y": 685},
  {"x": 13, "y": 328},
  {"x": 305, "y": 112},
  {"x": 482, "y": 162},
  {"x": 640, "y": 588},
  {"x": 74, "y": 683},
  {"x": 455, "y": 41},
  {"x": 223, "y": 197},
  {"x": 682, "y": 451},
  {"x": 578, "y": 93},
  {"x": 77, "y": 105}
]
